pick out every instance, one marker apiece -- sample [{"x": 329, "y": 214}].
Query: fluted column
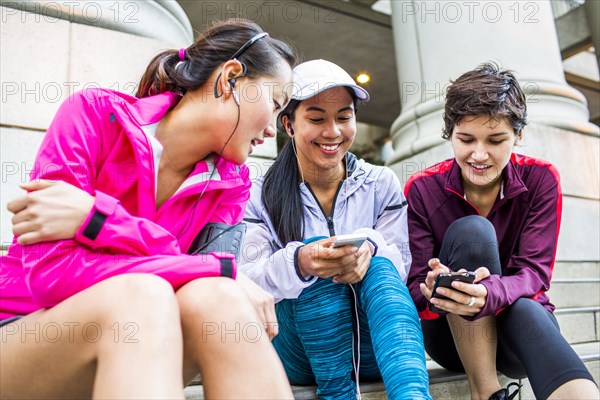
[
  {"x": 437, "y": 41},
  {"x": 592, "y": 13}
]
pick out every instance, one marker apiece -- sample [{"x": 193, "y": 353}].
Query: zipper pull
[{"x": 330, "y": 226}]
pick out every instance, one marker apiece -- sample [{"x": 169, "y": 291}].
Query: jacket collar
[
  {"x": 146, "y": 110},
  {"x": 133, "y": 113},
  {"x": 512, "y": 184},
  {"x": 351, "y": 163},
  {"x": 358, "y": 172}
]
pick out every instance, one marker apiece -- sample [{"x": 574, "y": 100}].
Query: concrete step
[
  {"x": 443, "y": 384},
  {"x": 579, "y": 325},
  {"x": 576, "y": 270},
  {"x": 574, "y": 293}
]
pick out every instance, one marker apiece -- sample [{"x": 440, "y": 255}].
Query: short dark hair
[{"x": 485, "y": 91}]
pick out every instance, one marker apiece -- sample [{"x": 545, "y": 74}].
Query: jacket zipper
[
  {"x": 329, "y": 219},
  {"x": 494, "y": 207},
  {"x": 467, "y": 201}
]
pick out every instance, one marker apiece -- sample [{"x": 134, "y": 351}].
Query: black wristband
[
  {"x": 226, "y": 267},
  {"x": 92, "y": 230}
]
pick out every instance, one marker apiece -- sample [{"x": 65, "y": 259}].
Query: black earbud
[
  {"x": 291, "y": 129},
  {"x": 231, "y": 84}
]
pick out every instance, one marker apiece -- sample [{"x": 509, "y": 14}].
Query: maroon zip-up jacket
[{"x": 526, "y": 216}]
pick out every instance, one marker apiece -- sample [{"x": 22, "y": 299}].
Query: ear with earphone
[
  {"x": 291, "y": 129},
  {"x": 231, "y": 82}
]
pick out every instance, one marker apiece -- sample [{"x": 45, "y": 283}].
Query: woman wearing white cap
[{"x": 345, "y": 306}]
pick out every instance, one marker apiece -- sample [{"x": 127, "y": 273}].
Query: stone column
[
  {"x": 51, "y": 49},
  {"x": 592, "y": 12},
  {"x": 436, "y": 41}
]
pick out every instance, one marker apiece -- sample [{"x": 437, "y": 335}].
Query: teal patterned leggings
[{"x": 316, "y": 335}]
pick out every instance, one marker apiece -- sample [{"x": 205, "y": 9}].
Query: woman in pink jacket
[{"x": 117, "y": 309}]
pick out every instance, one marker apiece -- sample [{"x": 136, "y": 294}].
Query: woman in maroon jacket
[{"x": 497, "y": 214}]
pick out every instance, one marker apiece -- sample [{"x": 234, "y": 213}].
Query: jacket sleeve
[
  {"x": 529, "y": 270},
  {"x": 390, "y": 232},
  {"x": 273, "y": 268},
  {"x": 71, "y": 152},
  {"x": 421, "y": 248},
  {"x": 110, "y": 227},
  {"x": 56, "y": 270}
]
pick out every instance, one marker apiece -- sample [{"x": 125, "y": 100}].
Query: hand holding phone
[
  {"x": 353, "y": 239},
  {"x": 445, "y": 281},
  {"x": 354, "y": 270}
]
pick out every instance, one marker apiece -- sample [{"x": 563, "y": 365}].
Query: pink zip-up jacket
[{"x": 96, "y": 143}]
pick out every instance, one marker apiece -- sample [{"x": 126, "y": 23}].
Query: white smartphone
[{"x": 353, "y": 239}]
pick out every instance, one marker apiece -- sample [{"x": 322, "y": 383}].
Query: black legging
[{"x": 529, "y": 340}]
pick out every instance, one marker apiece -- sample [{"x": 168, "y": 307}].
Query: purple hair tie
[{"x": 182, "y": 54}]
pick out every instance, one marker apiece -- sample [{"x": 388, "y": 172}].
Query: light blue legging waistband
[{"x": 315, "y": 336}]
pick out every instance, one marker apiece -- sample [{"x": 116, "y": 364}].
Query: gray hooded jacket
[{"x": 370, "y": 201}]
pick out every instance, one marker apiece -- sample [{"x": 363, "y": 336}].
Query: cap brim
[{"x": 308, "y": 92}]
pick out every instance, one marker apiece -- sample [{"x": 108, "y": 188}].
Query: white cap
[{"x": 313, "y": 77}]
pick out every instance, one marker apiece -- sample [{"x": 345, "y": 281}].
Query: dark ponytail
[
  {"x": 166, "y": 72},
  {"x": 281, "y": 196}
]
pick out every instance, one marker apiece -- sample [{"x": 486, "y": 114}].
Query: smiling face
[
  {"x": 482, "y": 148},
  {"x": 261, "y": 99},
  {"x": 324, "y": 128}
]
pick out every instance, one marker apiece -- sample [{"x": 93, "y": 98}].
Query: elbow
[
  {"x": 45, "y": 294},
  {"x": 45, "y": 275}
]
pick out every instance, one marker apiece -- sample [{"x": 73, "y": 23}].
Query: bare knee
[
  {"x": 210, "y": 298},
  {"x": 134, "y": 308}
]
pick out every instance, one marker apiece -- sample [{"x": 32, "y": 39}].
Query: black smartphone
[{"x": 445, "y": 280}]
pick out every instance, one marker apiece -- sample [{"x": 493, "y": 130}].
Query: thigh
[
  {"x": 323, "y": 310},
  {"x": 51, "y": 353},
  {"x": 439, "y": 344},
  {"x": 45, "y": 355}
]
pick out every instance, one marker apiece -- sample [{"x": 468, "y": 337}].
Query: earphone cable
[
  {"x": 356, "y": 359},
  {"x": 217, "y": 159},
  {"x": 297, "y": 159}
]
